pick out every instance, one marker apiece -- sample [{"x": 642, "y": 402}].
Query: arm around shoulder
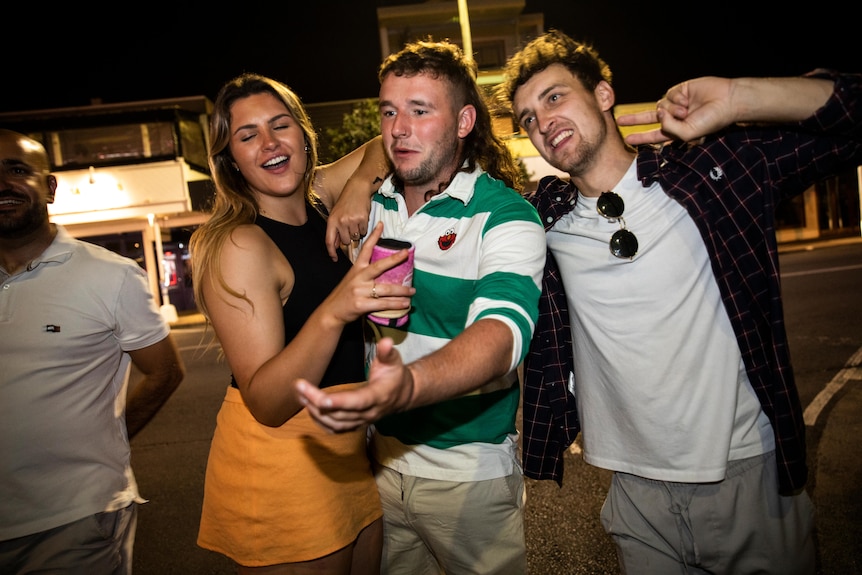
[
  {"x": 367, "y": 163},
  {"x": 350, "y": 182}
]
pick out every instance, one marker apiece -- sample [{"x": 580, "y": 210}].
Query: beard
[
  {"x": 580, "y": 163},
  {"x": 23, "y": 224},
  {"x": 584, "y": 156},
  {"x": 429, "y": 172}
]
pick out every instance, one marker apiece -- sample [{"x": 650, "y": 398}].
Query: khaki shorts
[
  {"x": 286, "y": 494},
  {"x": 432, "y": 526}
]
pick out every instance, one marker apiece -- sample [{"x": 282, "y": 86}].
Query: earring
[{"x": 306, "y": 148}]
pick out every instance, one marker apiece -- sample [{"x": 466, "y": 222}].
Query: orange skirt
[{"x": 284, "y": 494}]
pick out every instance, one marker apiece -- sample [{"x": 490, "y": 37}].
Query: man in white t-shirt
[{"x": 662, "y": 288}]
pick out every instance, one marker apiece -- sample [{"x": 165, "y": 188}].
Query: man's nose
[
  {"x": 544, "y": 121},
  {"x": 400, "y": 127}
]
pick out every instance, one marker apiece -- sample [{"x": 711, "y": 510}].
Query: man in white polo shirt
[{"x": 73, "y": 316}]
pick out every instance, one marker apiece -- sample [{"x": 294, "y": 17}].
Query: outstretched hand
[
  {"x": 687, "y": 111},
  {"x": 389, "y": 389}
]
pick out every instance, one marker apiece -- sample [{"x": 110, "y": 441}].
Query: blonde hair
[{"x": 235, "y": 203}]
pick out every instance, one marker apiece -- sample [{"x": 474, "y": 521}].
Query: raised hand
[{"x": 688, "y": 111}]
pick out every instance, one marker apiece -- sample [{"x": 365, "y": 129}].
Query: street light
[{"x": 464, "y": 19}]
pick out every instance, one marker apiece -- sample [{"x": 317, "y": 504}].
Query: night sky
[{"x": 55, "y": 58}]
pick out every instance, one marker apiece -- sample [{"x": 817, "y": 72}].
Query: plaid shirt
[{"x": 730, "y": 183}]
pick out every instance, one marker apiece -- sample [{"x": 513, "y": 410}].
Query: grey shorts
[
  {"x": 738, "y": 525},
  {"x": 100, "y": 543}
]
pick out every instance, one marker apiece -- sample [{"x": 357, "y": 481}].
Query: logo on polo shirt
[{"x": 447, "y": 240}]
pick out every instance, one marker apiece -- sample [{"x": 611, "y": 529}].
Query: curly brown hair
[{"x": 553, "y": 47}]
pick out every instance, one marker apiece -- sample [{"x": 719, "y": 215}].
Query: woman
[{"x": 281, "y": 495}]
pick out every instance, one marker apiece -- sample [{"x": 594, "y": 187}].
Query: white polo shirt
[{"x": 66, "y": 321}]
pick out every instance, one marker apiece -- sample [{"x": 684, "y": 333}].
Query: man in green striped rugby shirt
[{"x": 443, "y": 391}]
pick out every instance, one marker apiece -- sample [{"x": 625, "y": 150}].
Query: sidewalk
[
  {"x": 804, "y": 245},
  {"x": 835, "y": 488}
]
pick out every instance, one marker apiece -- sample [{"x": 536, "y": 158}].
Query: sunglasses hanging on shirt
[{"x": 623, "y": 243}]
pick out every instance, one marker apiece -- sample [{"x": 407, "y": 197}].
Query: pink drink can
[{"x": 401, "y": 274}]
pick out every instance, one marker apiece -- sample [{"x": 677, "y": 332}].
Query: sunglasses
[{"x": 623, "y": 243}]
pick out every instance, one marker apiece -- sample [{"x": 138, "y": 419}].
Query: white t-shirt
[{"x": 661, "y": 388}]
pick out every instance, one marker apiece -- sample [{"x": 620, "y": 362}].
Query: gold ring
[{"x": 374, "y": 291}]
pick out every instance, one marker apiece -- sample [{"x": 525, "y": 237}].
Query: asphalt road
[{"x": 564, "y": 536}]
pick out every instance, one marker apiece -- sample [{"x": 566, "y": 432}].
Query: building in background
[{"x": 132, "y": 177}]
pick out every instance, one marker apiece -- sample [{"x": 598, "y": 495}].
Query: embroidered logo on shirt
[
  {"x": 447, "y": 240},
  {"x": 716, "y": 173},
  {"x": 52, "y": 328}
]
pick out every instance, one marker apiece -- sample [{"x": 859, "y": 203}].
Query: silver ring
[{"x": 374, "y": 291}]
